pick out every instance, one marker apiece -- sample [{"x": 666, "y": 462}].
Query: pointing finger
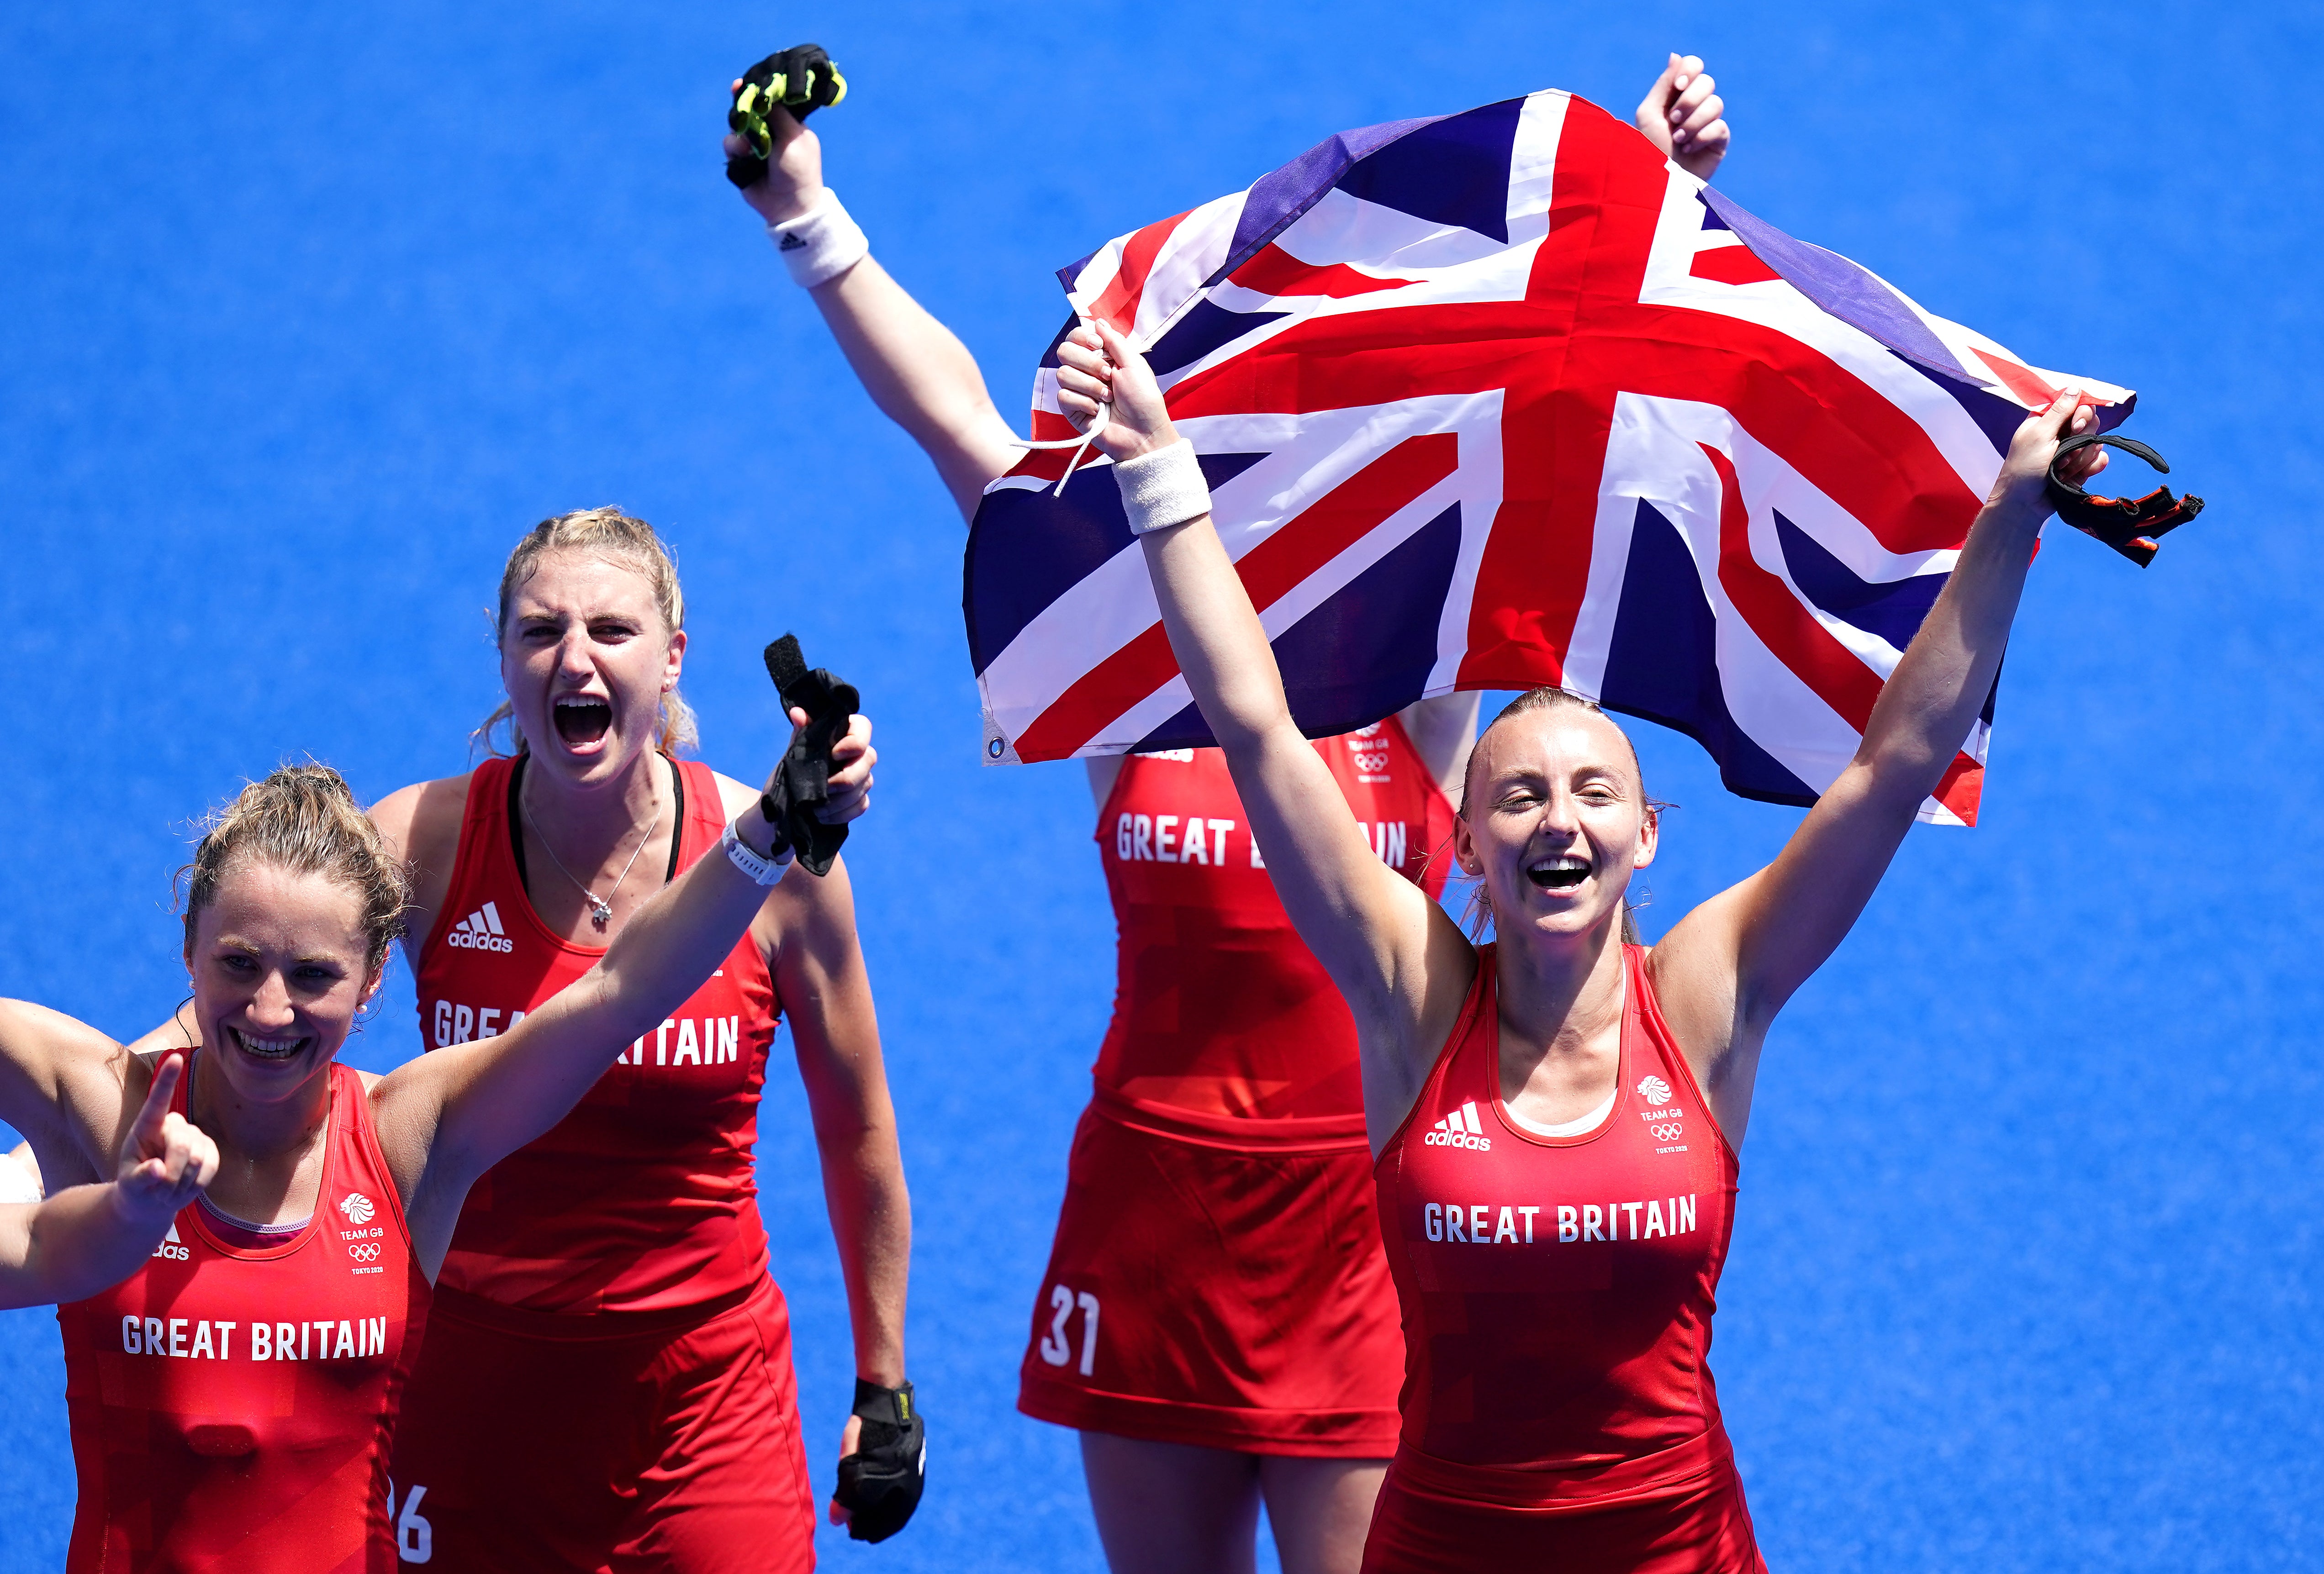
[{"x": 145, "y": 1133}]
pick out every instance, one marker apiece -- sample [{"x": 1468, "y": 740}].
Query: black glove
[
  {"x": 800, "y": 79},
  {"x": 2128, "y": 525},
  {"x": 880, "y": 1482},
  {"x": 803, "y": 781}
]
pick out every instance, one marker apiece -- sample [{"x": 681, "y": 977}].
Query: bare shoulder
[
  {"x": 1693, "y": 971},
  {"x": 38, "y": 1040},
  {"x": 803, "y": 916},
  {"x": 422, "y": 822},
  {"x": 421, "y": 825},
  {"x": 734, "y": 797},
  {"x": 66, "y": 1084},
  {"x": 1443, "y": 730}
]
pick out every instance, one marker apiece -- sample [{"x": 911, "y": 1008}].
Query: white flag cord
[
  {"x": 1140, "y": 342},
  {"x": 1080, "y": 445}
]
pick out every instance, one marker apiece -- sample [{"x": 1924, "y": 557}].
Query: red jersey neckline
[
  {"x": 523, "y": 886},
  {"x": 180, "y": 1102},
  {"x": 1623, "y": 1059}
]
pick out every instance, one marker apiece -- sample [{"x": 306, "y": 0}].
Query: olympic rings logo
[
  {"x": 364, "y": 1251},
  {"x": 1667, "y": 1133}
]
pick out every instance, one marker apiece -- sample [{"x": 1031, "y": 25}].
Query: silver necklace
[{"x": 601, "y": 908}]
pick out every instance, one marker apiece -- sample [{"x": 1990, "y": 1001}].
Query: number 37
[{"x": 1056, "y": 1348}]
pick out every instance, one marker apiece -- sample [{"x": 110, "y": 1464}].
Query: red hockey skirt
[
  {"x": 1219, "y": 1282},
  {"x": 1678, "y": 1512},
  {"x": 633, "y": 1443}
]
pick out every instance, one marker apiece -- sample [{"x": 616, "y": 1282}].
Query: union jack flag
[{"x": 1501, "y": 399}]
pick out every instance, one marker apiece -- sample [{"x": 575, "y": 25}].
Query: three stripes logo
[
  {"x": 481, "y": 931},
  {"x": 1459, "y": 1129}
]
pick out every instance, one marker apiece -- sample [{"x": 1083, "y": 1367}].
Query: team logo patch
[
  {"x": 1653, "y": 1090},
  {"x": 1459, "y": 1129},
  {"x": 480, "y": 931},
  {"x": 357, "y": 1207}
]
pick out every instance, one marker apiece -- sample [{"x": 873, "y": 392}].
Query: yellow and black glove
[
  {"x": 797, "y": 81},
  {"x": 880, "y": 1482}
]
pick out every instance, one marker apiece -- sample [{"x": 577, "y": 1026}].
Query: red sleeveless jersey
[
  {"x": 1220, "y": 1008},
  {"x": 643, "y": 1198},
  {"x": 1557, "y": 1292},
  {"x": 232, "y": 1406}
]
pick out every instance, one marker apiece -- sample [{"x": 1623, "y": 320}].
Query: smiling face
[
  {"x": 1556, "y": 821},
  {"x": 281, "y": 965},
  {"x": 586, "y": 658}
]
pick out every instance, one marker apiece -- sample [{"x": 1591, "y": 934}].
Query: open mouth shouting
[
  {"x": 1559, "y": 872},
  {"x": 282, "y": 1048},
  {"x": 582, "y": 719}
]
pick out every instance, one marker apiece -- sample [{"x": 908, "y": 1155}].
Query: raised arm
[
  {"x": 918, "y": 374},
  {"x": 1725, "y": 970},
  {"x": 446, "y": 1117},
  {"x": 84, "y": 1238},
  {"x": 1400, "y": 962}
]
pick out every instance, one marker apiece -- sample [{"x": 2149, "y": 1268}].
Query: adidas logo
[
  {"x": 481, "y": 931},
  {"x": 791, "y": 243},
  {"x": 1459, "y": 1129},
  {"x": 172, "y": 1247}
]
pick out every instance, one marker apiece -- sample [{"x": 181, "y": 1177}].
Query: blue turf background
[{"x": 305, "y": 312}]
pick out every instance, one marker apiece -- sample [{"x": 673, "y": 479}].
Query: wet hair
[
  {"x": 302, "y": 818},
  {"x": 1548, "y": 697},
  {"x": 603, "y": 532}
]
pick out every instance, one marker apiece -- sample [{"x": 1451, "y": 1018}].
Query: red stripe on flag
[
  {"x": 1276, "y": 272},
  {"x": 1785, "y": 626},
  {"x": 1962, "y": 787},
  {"x": 1731, "y": 265},
  {"x": 1848, "y": 439},
  {"x": 1118, "y": 303},
  {"x": 1270, "y": 571},
  {"x": 1794, "y": 637},
  {"x": 2029, "y": 390},
  {"x": 1606, "y": 199},
  {"x": 1048, "y": 463}
]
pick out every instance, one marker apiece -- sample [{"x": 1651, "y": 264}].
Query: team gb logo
[
  {"x": 358, "y": 1208},
  {"x": 1654, "y": 1091}
]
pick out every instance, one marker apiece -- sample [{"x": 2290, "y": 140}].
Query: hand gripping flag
[{"x": 1502, "y": 399}]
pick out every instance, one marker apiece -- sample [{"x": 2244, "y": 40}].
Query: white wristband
[
  {"x": 821, "y": 244},
  {"x": 1163, "y": 487},
  {"x": 765, "y": 870}
]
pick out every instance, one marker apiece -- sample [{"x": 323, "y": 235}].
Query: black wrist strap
[{"x": 893, "y": 1406}]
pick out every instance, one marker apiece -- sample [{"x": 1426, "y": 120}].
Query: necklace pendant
[{"x": 601, "y": 911}]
